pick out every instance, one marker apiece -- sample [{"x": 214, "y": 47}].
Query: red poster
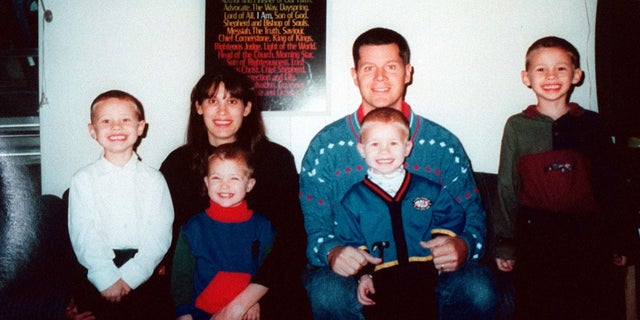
[{"x": 279, "y": 44}]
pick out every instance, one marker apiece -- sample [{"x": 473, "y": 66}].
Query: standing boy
[
  {"x": 332, "y": 164},
  {"x": 389, "y": 215},
  {"x": 554, "y": 183},
  {"x": 221, "y": 248},
  {"x": 120, "y": 214}
]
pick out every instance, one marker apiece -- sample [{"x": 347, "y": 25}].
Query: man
[{"x": 331, "y": 165}]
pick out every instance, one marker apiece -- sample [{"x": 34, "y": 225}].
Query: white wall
[{"x": 467, "y": 57}]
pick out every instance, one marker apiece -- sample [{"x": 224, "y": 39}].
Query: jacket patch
[{"x": 421, "y": 203}]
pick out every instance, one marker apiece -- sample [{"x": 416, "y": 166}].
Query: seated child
[
  {"x": 120, "y": 215},
  {"x": 221, "y": 248},
  {"x": 389, "y": 214}
]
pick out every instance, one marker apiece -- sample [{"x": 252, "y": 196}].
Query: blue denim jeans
[
  {"x": 332, "y": 296},
  {"x": 468, "y": 293}
]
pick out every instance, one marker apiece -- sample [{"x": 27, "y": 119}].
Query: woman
[{"x": 224, "y": 110}]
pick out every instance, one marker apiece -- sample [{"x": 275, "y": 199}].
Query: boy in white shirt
[{"x": 120, "y": 214}]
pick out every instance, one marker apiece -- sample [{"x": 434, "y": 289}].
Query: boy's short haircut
[
  {"x": 118, "y": 94},
  {"x": 231, "y": 151},
  {"x": 381, "y": 36},
  {"x": 554, "y": 42},
  {"x": 385, "y": 115}
]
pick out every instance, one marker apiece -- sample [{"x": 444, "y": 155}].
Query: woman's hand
[
  {"x": 505, "y": 265},
  {"x": 620, "y": 260},
  {"x": 71, "y": 312},
  {"x": 242, "y": 303},
  {"x": 253, "y": 313},
  {"x": 230, "y": 312}
]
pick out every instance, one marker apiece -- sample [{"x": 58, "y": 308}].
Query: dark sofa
[
  {"x": 37, "y": 263},
  {"x": 487, "y": 184},
  {"x": 36, "y": 258}
]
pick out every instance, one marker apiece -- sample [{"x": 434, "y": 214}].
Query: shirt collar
[
  {"x": 574, "y": 110},
  {"x": 406, "y": 110},
  {"x": 129, "y": 166},
  {"x": 355, "y": 119}
]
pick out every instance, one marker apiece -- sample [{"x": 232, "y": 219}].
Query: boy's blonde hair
[
  {"x": 231, "y": 151},
  {"x": 118, "y": 94},
  {"x": 385, "y": 115}
]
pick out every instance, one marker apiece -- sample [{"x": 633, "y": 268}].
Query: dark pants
[
  {"x": 286, "y": 299},
  {"x": 404, "y": 292},
  {"x": 151, "y": 300},
  {"x": 563, "y": 268}
]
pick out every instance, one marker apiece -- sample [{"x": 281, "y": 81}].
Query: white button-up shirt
[{"x": 113, "y": 207}]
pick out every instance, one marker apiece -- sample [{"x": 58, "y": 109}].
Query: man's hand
[
  {"x": 347, "y": 261},
  {"x": 449, "y": 253}
]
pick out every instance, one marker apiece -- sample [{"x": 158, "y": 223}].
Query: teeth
[{"x": 118, "y": 137}]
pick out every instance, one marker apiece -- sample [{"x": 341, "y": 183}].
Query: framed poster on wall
[{"x": 279, "y": 44}]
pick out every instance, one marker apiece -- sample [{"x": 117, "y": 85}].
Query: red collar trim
[
  {"x": 384, "y": 195},
  {"x": 406, "y": 110},
  {"x": 574, "y": 109},
  {"x": 236, "y": 214},
  {"x": 531, "y": 111}
]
